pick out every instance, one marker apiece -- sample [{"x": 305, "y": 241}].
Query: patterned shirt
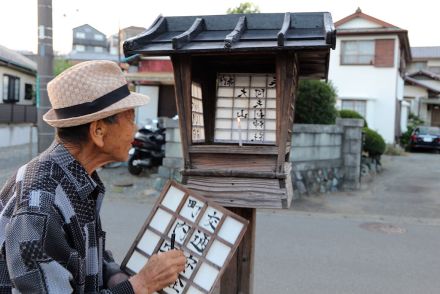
[{"x": 50, "y": 232}]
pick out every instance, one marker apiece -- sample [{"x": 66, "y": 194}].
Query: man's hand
[{"x": 161, "y": 270}]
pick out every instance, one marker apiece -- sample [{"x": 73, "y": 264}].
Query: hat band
[{"x": 93, "y": 106}]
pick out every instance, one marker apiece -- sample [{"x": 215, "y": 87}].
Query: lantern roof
[{"x": 237, "y": 33}]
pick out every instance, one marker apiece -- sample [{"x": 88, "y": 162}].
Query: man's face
[{"x": 120, "y": 135}]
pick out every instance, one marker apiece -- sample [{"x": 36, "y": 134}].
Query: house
[
  {"x": 89, "y": 44},
  {"x": 18, "y": 112},
  {"x": 368, "y": 67},
  {"x": 422, "y": 84},
  {"x": 116, "y": 41}
]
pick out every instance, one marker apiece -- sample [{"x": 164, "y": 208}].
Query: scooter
[{"x": 148, "y": 150}]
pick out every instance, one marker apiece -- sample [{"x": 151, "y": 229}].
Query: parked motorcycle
[{"x": 148, "y": 149}]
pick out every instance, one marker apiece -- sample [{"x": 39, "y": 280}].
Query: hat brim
[{"x": 131, "y": 101}]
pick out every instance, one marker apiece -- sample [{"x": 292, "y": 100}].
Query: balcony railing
[{"x": 16, "y": 113}]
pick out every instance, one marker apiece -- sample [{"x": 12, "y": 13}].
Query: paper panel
[
  {"x": 191, "y": 208},
  {"x": 177, "y": 287},
  {"x": 198, "y": 242},
  {"x": 241, "y": 81},
  {"x": 210, "y": 219},
  {"x": 173, "y": 198},
  {"x": 218, "y": 252},
  {"x": 258, "y": 81},
  {"x": 206, "y": 276},
  {"x": 148, "y": 242},
  {"x": 137, "y": 262},
  {"x": 230, "y": 229},
  {"x": 193, "y": 290},
  {"x": 161, "y": 220},
  {"x": 225, "y": 102},
  {"x": 181, "y": 229},
  {"x": 225, "y": 92},
  {"x": 191, "y": 264}
]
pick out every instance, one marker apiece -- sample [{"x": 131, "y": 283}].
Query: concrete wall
[
  {"x": 324, "y": 157},
  {"x": 17, "y": 134}
]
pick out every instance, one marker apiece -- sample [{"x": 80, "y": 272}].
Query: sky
[{"x": 18, "y": 22}]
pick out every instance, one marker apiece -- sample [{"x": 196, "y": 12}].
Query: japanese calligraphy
[
  {"x": 213, "y": 220},
  {"x": 243, "y": 93},
  {"x": 196, "y": 207},
  {"x": 227, "y": 80},
  {"x": 272, "y": 83},
  {"x": 242, "y": 114},
  {"x": 199, "y": 241},
  {"x": 181, "y": 229},
  {"x": 259, "y": 92}
]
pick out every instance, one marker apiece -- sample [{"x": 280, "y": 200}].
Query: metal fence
[{"x": 15, "y": 113}]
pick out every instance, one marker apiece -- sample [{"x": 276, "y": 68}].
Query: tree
[
  {"x": 245, "y": 7},
  {"x": 59, "y": 65},
  {"x": 315, "y": 103}
]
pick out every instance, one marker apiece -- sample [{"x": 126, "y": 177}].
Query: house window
[
  {"x": 11, "y": 89},
  {"x": 98, "y": 49},
  {"x": 357, "y": 52},
  {"x": 99, "y": 37},
  {"x": 80, "y": 48},
  {"x": 360, "y": 106},
  {"x": 80, "y": 35},
  {"x": 434, "y": 69},
  {"x": 28, "y": 91}
]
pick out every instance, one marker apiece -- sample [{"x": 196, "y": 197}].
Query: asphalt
[{"x": 381, "y": 239}]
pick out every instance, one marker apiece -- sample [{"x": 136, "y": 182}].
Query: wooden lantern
[{"x": 235, "y": 80}]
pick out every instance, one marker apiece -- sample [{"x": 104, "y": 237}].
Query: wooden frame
[{"x": 195, "y": 225}]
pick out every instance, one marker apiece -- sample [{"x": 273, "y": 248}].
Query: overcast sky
[{"x": 18, "y": 20}]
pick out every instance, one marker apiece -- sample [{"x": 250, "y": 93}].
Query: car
[{"x": 425, "y": 137}]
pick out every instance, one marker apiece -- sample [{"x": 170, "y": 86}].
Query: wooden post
[{"x": 239, "y": 275}]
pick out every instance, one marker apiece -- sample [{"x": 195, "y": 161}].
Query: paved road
[{"x": 323, "y": 244}]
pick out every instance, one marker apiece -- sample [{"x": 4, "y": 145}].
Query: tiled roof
[
  {"x": 425, "y": 52},
  {"x": 14, "y": 58},
  {"x": 91, "y": 56}
]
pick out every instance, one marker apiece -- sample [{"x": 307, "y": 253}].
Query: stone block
[
  {"x": 165, "y": 172},
  {"x": 353, "y": 133},
  {"x": 303, "y": 140},
  {"x": 173, "y": 150},
  {"x": 352, "y": 160},
  {"x": 173, "y": 162},
  {"x": 350, "y": 122},
  {"x": 355, "y": 146}
]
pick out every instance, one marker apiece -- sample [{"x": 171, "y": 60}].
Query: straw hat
[{"x": 89, "y": 91}]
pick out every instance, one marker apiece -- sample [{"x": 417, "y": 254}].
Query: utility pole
[{"x": 45, "y": 71}]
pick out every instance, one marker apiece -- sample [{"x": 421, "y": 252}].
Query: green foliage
[
  {"x": 413, "y": 122},
  {"x": 315, "y": 103},
  {"x": 245, "y": 7},
  {"x": 345, "y": 113},
  {"x": 59, "y": 65},
  {"x": 394, "y": 150},
  {"x": 374, "y": 144}
]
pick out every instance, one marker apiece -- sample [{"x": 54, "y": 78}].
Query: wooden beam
[
  {"x": 238, "y": 277},
  {"x": 282, "y": 33},
  {"x": 233, "y": 173},
  {"x": 159, "y": 26},
  {"x": 186, "y": 37},
  {"x": 235, "y": 35},
  {"x": 182, "y": 68}
]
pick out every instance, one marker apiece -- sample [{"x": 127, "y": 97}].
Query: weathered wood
[
  {"x": 186, "y": 37},
  {"x": 181, "y": 65},
  {"x": 235, "y": 35},
  {"x": 238, "y": 277},
  {"x": 237, "y": 162},
  {"x": 285, "y": 72},
  {"x": 233, "y": 173},
  {"x": 240, "y": 192},
  {"x": 234, "y": 149},
  {"x": 282, "y": 33}
]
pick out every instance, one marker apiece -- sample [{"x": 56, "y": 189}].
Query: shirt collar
[{"x": 84, "y": 183}]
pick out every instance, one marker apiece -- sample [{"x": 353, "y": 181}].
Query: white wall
[
  {"x": 377, "y": 85},
  {"x": 17, "y": 134},
  {"x": 24, "y": 78},
  {"x": 149, "y": 111}
]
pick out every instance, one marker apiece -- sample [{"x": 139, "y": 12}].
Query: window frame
[
  {"x": 358, "y": 56},
  {"x": 7, "y": 90},
  {"x": 80, "y": 35},
  {"x": 26, "y": 92},
  {"x": 355, "y": 101}
]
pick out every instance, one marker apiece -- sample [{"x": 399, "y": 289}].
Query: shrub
[
  {"x": 374, "y": 144},
  {"x": 394, "y": 150},
  {"x": 345, "y": 113},
  {"x": 413, "y": 122},
  {"x": 315, "y": 103}
]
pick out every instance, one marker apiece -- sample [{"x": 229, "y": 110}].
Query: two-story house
[
  {"x": 17, "y": 104},
  {"x": 422, "y": 84},
  {"x": 367, "y": 69},
  {"x": 89, "y": 44}
]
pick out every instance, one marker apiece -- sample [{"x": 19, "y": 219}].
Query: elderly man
[{"x": 50, "y": 232}]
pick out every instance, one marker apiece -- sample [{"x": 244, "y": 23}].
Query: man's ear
[{"x": 97, "y": 132}]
